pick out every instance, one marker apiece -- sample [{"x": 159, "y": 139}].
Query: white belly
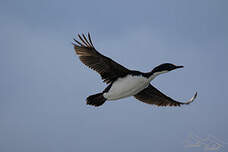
[{"x": 127, "y": 86}]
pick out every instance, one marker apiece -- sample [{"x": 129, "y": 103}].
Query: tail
[{"x": 96, "y": 100}]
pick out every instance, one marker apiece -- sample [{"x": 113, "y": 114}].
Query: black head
[{"x": 166, "y": 67}]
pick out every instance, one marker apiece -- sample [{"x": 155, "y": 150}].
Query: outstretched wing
[
  {"x": 106, "y": 67},
  {"x": 151, "y": 95}
]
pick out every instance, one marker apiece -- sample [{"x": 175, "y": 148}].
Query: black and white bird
[{"x": 123, "y": 82}]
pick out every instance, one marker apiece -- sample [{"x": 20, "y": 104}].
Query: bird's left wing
[
  {"x": 151, "y": 95},
  {"x": 106, "y": 67}
]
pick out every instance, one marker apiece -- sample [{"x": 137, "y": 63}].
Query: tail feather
[{"x": 96, "y": 99}]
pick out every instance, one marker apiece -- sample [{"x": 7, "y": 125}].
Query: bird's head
[{"x": 166, "y": 67}]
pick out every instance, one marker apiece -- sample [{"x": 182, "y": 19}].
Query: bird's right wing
[
  {"x": 106, "y": 67},
  {"x": 151, "y": 95}
]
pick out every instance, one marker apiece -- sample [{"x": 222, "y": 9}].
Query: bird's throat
[{"x": 155, "y": 74}]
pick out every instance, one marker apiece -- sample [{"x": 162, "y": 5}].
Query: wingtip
[
  {"x": 84, "y": 40},
  {"x": 192, "y": 99}
]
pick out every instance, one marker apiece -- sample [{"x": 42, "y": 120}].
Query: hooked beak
[{"x": 181, "y": 66}]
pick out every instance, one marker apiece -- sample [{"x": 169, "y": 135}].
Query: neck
[{"x": 151, "y": 75}]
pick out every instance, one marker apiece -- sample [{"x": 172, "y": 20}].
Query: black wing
[
  {"x": 106, "y": 67},
  {"x": 151, "y": 95}
]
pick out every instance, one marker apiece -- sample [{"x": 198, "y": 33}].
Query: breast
[{"x": 127, "y": 86}]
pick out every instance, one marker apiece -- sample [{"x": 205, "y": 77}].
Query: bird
[{"x": 121, "y": 81}]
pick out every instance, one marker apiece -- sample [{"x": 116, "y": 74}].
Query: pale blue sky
[{"x": 43, "y": 85}]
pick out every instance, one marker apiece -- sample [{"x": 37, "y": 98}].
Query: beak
[{"x": 181, "y": 66}]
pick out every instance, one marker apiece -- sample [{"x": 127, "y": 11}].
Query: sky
[{"x": 43, "y": 84}]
